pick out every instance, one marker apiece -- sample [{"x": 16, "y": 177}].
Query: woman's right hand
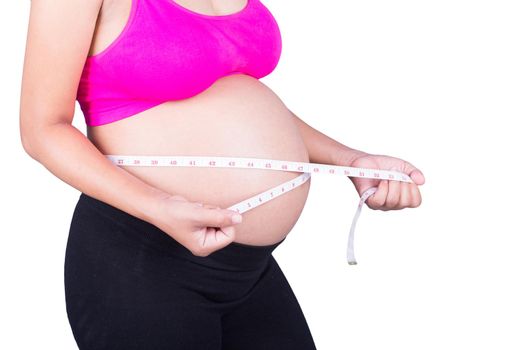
[{"x": 201, "y": 228}]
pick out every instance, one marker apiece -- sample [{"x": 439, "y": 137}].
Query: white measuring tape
[{"x": 270, "y": 164}]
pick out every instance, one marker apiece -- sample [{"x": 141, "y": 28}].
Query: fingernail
[{"x": 236, "y": 218}]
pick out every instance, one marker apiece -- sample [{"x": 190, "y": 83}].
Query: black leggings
[{"x": 129, "y": 285}]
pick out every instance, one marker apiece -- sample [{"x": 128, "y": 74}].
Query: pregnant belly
[{"x": 238, "y": 116}]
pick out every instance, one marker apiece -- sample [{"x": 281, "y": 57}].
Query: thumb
[
  {"x": 415, "y": 174},
  {"x": 216, "y": 217}
]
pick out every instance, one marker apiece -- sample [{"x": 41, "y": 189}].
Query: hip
[{"x": 106, "y": 240}]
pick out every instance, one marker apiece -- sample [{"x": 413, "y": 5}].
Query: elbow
[
  {"x": 27, "y": 143},
  {"x": 37, "y": 124},
  {"x": 25, "y": 138},
  {"x": 28, "y": 137},
  {"x": 34, "y": 136},
  {"x": 25, "y": 133}
]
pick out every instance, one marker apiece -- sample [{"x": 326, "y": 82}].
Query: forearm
[
  {"x": 69, "y": 155},
  {"x": 322, "y": 148}
]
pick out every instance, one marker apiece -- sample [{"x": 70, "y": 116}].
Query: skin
[{"x": 187, "y": 203}]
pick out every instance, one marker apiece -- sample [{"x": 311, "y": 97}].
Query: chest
[{"x": 170, "y": 52}]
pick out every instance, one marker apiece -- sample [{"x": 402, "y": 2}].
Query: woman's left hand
[{"x": 390, "y": 194}]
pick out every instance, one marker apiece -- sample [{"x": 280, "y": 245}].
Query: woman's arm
[
  {"x": 321, "y": 148},
  {"x": 58, "y": 41},
  {"x": 390, "y": 194}
]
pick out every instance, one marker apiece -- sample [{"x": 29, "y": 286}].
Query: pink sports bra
[{"x": 168, "y": 52}]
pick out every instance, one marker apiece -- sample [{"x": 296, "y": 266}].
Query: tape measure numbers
[{"x": 306, "y": 169}]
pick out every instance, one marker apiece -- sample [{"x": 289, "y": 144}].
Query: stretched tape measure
[{"x": 306, "y": 169}]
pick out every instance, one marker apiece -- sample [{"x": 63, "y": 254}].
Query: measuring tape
[{"x": 270, "y": 164}]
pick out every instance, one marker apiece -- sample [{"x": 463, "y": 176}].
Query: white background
[{"x": 438, "y": 83}]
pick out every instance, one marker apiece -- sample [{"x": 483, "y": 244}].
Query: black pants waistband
[{"x": 233, "y": 256}]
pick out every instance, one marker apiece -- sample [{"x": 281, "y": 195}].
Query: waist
[{"x": 268, "y": 164}]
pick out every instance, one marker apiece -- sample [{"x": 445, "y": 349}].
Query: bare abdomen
[{"x": 238, "y": 116}]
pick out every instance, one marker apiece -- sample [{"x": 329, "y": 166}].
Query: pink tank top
[{"x": 168, "y": 52}]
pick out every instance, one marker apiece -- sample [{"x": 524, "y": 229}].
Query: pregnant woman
[{"x": 154, "y": 258}]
